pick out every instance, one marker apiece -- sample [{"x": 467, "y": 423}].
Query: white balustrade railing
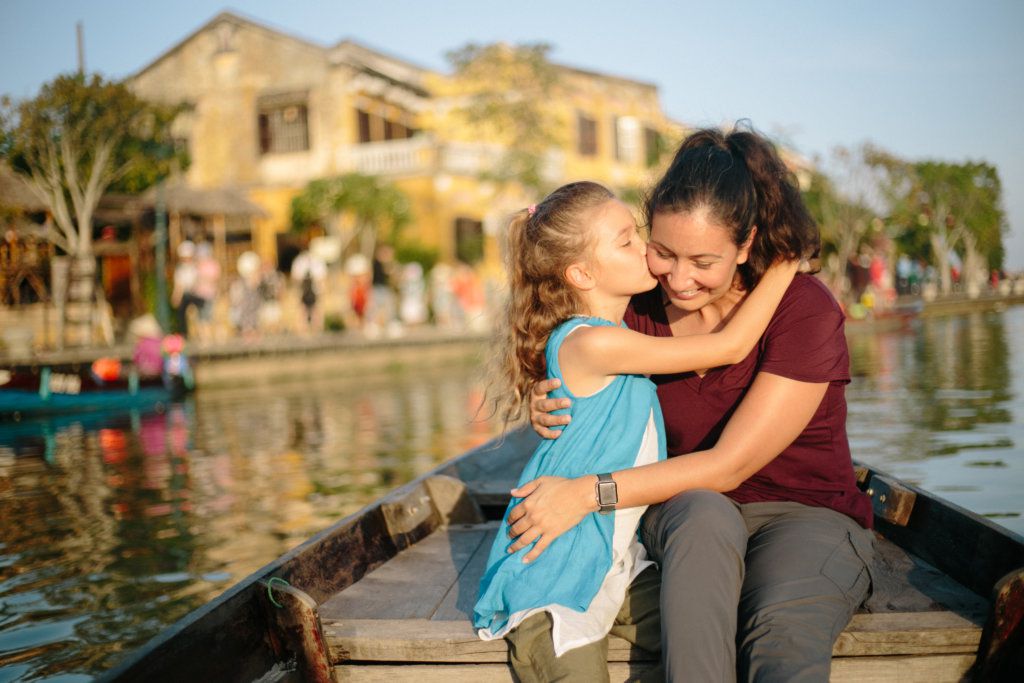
[
  {"x": 393, "y": 157},
  {"x": 423, "y": 155},
  {"x": 470, "y": 158}
]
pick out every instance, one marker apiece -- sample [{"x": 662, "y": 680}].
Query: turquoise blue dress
[{"x": 608, "y": 430}]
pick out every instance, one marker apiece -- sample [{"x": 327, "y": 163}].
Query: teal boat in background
[{"x": 39, "y": 390}]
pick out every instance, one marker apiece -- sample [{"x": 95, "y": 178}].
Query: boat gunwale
[
  {"x": 240, "y": 596},
  {"x": 995, "y": 550},
  {"x": 237, "y": 605}
]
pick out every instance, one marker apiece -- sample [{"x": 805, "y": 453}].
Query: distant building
[{"x": 271, "y": 112}]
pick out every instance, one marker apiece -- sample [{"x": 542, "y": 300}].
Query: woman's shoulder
[
  {"x": 807, "y": 312},
  {"x": 807, "y": 294}
]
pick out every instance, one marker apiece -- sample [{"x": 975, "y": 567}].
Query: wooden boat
[
  {"x": 899, "y": 316},
  {"x": 34, "y": 390},
  {"x": 385, "y": 595}
]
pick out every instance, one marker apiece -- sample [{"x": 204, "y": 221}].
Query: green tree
[
  {"x": 845, "y": 224},
  {"x": 358, "y": 208},
  {"x": 945, "y": 207},
  {"x": 506, "y": 91},
  {"x": 78, "y": 138},
  {"x": 980, "y": 219}
]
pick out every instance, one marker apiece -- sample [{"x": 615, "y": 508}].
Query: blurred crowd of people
[
  {"x": 875, "y": 286},
  {"x": 378, "y": 296}
]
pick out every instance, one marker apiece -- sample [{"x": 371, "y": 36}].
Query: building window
[
  {"x": 469, "y": 240},
  {"x": 283, "y": 125},
  {"x": 372, "y": 127},
  {"x": 627, "y": 139},
  {"x": 363, "y": 123},
  {"x": 654, "y": 147},
  {"x": 180, "y": 144},
  {"x": 587, "y": 135}
]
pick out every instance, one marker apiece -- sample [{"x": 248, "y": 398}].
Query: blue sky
[{"x": 931, "y": 79}]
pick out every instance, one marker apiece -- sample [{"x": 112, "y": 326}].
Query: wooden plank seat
[{"x": 409, "y": 619}]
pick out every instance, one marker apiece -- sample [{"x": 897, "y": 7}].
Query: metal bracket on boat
[
  {"x": 452, "y": 501},
  {"x": 295, "y": 629},
  {"x": 890, "y": 500}
]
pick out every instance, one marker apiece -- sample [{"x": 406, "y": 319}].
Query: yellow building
[{"x": 270, "y": 112}]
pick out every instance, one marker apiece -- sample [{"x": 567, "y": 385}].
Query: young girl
[{"x": 574, "y": 262}]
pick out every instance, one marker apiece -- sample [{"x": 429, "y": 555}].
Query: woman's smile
[{"x": 684, "y": 294}]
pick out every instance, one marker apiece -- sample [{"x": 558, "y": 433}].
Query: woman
[{"x": 762, "y": 537}]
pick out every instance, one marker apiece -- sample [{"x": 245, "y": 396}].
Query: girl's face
[
  {"x": 693, "y": 257},
  {"x": 618, "y": 251}
]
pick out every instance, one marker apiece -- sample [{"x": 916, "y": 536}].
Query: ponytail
[{"x": 785, "y": 229}]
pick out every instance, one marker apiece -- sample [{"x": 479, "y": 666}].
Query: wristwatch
[{"x": 607, "y": 492}]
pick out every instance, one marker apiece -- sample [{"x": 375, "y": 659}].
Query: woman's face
[{"x": 693, "y": 257}]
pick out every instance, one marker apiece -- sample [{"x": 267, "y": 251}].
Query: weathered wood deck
[{"x": 410, "y": 618}]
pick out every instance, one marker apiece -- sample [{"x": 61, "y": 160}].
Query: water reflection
[
  {"x": 942, "y": 405},
  {"x": 117, "y": 524}
]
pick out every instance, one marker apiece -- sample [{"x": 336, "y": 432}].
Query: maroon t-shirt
[{"x": 804, "y": 341}]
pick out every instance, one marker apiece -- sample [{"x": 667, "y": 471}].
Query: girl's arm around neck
[
  {"x": 617, "y": 351},
  {"x": 771, "y": 416},
  {"x": 754, "y": 313}
]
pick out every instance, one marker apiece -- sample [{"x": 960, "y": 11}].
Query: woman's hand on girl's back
[
  {"x": 541, "y": 408},
  {"x": 551, "y": 506}
]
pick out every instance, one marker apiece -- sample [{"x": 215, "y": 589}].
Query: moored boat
[
  {"x": 385, "y": 594},
  {"x": 33, "y": 390}
]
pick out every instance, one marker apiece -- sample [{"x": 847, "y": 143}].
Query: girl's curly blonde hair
[{"x": 542, "y": 242}]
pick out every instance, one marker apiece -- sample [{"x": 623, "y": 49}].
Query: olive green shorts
[{"x": 532, "y": 654}]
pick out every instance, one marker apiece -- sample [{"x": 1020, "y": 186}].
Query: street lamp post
[{"x": 163, "y": 312}]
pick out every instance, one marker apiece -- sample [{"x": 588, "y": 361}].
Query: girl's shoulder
[{"x": 567, "y": 327}]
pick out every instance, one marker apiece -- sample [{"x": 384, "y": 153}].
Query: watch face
[{"x": 607, "y": 493}]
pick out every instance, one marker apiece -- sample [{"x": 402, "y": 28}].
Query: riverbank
[
  {"x": 268, "y": 359},
  {"x": 961, "y": 303},
  {"x": 907, "y": 309},
  {"x": 238, "y": 362}
]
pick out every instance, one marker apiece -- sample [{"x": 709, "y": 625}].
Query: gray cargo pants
[{"x": 796, "y": 573}]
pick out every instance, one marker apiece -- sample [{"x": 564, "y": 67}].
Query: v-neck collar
[{"x": 692, "y": 379}]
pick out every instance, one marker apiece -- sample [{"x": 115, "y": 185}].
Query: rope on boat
[{"x": 270, "y": 590}]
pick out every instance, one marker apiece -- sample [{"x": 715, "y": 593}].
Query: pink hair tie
[{"x": 531, "y": 209}]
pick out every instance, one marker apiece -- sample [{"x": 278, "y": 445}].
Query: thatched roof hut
[
  {"x": 184, "y": 199},
  {"x": 15, "y": 192}
]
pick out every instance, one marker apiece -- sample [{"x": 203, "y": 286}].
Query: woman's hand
[
  {"x": 552, "y": 506},
  {"x": 541, "y": 407}
]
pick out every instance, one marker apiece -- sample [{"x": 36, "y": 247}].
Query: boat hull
[{"x": 30, "y": 391}]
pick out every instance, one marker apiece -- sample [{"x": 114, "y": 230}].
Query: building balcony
[
  {"x": 413, "y": 156},
  {"x": 422, "y": 155}
]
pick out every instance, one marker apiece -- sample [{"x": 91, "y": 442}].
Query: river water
[{"x": 115, "y": 525}]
